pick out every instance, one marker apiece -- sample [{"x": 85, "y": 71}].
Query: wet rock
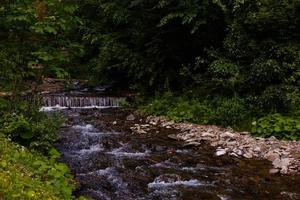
[{"x": 130, "y": 117}]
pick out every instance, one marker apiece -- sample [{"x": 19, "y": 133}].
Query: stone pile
[{"x": 284, "y": 155}]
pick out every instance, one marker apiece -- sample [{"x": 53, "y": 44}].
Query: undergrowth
[
  {"x": 235, "y": 112},
  {"x": 28, "y": 162},
  {"x": 28, "y": 174}
]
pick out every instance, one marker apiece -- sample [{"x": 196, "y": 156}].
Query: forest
[{"x": 231, "y": 63}]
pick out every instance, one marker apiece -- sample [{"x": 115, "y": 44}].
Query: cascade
[{"x": 81, "y": 102}]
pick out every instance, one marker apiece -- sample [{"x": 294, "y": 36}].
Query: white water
[
  {"x": 93, "y": 148},
  {"x": 51, "y": 103},
  {"x": 158, "y": 184}
]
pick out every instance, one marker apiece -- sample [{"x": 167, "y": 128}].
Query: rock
[
  {"x": 192, "y": 144},
  {"x": 207, "y": 134},
  {"x": 232, "y": 143},
  {"x": 271, "y": 156},
  {"x": 145, "y": 125},
  {"x": 234, "y": 154},
  {"x": 290, "y": 195},
  {"x": 238, "y": 151},
  {"x": 130, "y": 117},
  {"x": 257, "y": 149},
  {"x": 173, "y": 137},
  {"x": 169, "y": 178},
  {"x": 248, "y": 155},
  {"x": 228, "y": 134},
  {"x": 221, "y": 152},
  {"x": 140, "y": 131},
  {"x": 274, "y": 171},
  {"x": 281, "y": 163},
  {"x": 272, "y": 138}
]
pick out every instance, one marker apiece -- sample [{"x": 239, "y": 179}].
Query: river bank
[{"x": 284, "y": 155}]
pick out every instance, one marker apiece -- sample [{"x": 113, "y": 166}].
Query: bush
[
  {"x": 229, "y": 112},
  {"x": 22, "y": 122},
  {"x": 218, "y": 110},
  {"x": 283, "y": 127},
  {"x": 27, "y": 174}
]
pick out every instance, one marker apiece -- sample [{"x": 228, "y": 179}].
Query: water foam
[
  {"x": 87, "y": 127},
  {"x": 162, "y": 184},
  {"x": 92, "y": 149},
  {"x": 121, "y": 153}
]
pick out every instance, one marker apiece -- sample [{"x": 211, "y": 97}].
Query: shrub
[
  {"x": 22, "y": 122},
  {"x": 229, "y": 112},
  {"x": 27, "y": 174},
  {"x": 217, "y": 110},
  {"x": 283, "y": 127}
]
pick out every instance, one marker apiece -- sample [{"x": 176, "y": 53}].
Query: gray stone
[{"x": 130, "y": 117}]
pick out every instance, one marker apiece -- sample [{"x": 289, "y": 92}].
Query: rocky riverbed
[
  {"x": 117, "y": 155},
  {"x": 284, "y": 155}
]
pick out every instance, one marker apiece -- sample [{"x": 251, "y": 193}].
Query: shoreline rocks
[{"x": 284, "y": 155}]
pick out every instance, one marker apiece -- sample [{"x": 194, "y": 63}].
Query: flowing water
[
  {"x": 109, "y": 162},
  {"x": 81, "y": 101}
]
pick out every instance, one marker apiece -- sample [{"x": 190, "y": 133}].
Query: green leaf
[{"x": 26, "y": 134}]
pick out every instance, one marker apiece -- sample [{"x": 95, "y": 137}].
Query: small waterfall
[{"x": 81, "y": 102}]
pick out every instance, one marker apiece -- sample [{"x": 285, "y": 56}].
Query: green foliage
[
  {"x": 22, "y": 122},
  {"x": 282, "y": 127},
  {"x": 28, "y": 175},
  {"x": 36, "y": 33},
  {"x": 219, "y": 110}
]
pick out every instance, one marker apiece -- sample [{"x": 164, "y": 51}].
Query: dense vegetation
[
  {"x": 227, "y": 62},
  {"x": 219, "y": 62},
  {"x": 33, "y": 39},
  {"x": 28, "y": 175}
]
